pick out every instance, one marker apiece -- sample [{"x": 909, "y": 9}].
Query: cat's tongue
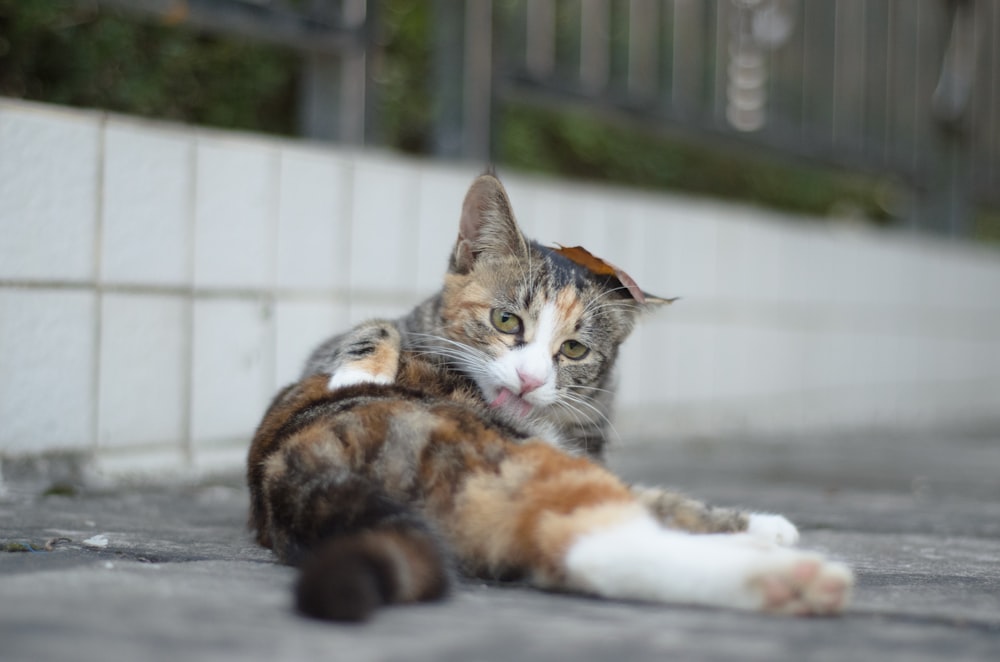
[
  {"x": 506, "y": 398},
  {"x": 503, "y": 397}
]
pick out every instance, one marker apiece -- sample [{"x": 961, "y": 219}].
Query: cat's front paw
[
  {"x": 803, "y": 584},
  {"x": 772, "y": 528},
  {"x": 350, "y": 376}
]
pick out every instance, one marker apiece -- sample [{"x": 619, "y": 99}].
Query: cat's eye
[
  {"x": 572, "y": 349},
  {"x": 505, "y": 321}
]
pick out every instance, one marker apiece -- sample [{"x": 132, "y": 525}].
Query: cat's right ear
[{"x": 487, "y": 225}]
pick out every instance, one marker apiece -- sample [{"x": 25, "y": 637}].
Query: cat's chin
[{"x": 507, "y": 401}]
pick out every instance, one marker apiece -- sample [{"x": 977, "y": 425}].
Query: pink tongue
[
  {"x": 501, "y": 398},
  {"x": 505, "y": 396}
]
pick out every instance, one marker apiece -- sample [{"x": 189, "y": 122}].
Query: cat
[{"x": 468, "y": 436}]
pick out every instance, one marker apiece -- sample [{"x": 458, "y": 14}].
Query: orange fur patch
[{"x": 526, "y": 515}]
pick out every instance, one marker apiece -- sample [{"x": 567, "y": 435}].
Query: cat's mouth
[{"x": 509, "y": 401}]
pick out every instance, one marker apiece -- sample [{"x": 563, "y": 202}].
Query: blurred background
[
  {"x": 879, "y": 111},
  {"x": 193, "y": 193}
]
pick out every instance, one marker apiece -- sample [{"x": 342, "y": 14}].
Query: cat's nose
[{"x": 529, "y": 382}]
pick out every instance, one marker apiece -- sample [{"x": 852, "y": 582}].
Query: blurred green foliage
[
  {"x": 582, "y": 146},
  {"x": 72, "y": 53}
]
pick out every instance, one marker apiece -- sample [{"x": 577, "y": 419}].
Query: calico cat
[{"x": 467, "y": 436}]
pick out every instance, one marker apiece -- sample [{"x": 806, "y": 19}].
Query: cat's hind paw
[
  {"x": 772, "y": 528},
  {"x": 804, "y": 585}
]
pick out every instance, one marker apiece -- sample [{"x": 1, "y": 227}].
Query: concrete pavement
[{"x": 179, "y": 578}]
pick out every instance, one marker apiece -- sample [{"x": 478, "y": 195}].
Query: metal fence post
[
  {"x": 951, "y": 183},
  {"x": 463, "y": 72},
  {"x": 335, "y": 87},
  {"x": 319, "y": 97}
]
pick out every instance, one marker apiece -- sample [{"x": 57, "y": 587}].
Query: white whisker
[
  {"x": 581, "y": 401},
  {"x": 590, "y": 388}
]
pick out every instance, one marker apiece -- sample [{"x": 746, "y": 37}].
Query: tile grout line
[
  {"x": 350, "y": 177},
  {"x": 187, "y": 360},
  {"x": 98, "y": 375},
  {"x": 271, "y": 301}
]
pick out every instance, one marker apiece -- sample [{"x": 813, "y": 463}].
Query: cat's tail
[
  {"x": 357, "y": 548},
  {"x": 347, "y": 577}
]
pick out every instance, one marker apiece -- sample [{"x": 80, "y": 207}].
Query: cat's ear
[
  {"x": 651, "y": 302},
  {"x": 487, "y": 225}
]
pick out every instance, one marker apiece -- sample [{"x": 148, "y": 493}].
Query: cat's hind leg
[
  {"x": 638, "y": 559},
  {"x": 567, "y": 523}
]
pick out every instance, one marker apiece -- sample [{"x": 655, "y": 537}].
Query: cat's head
[{"x": 537, "y": 330}]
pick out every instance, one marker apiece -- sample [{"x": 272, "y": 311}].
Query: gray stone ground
[{"x": 918, "y": 518}]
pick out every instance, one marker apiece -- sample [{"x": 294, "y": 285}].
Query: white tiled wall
[
  {"x": 232, "y": 367},
  {"x": 49, "y": 188},
  {"x": 147, "y": 196},
  {"x": 158, "y": 283},
  {"x": 313, "y": 238},
  {"x": 48, "y": 355},
  {"x": 144, "y": 343},
  {"x": 234, "y": 213}
]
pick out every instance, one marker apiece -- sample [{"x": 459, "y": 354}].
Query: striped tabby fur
[{"x": 466, "y": 437}]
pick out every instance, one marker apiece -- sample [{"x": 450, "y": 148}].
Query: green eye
[
  {"x": 506, "y": 322},
  {"x": 572, "y": 349}
]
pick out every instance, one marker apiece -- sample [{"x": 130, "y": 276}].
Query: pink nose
[{"x": 529, "y": 382}]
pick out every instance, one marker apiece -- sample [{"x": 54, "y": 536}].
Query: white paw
[
  {"x": 802, "y": 584},
  {"x": 351, "y": 376},
  {"x": 773, "y": 528}
]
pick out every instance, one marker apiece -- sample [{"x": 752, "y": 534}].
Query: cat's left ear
[{"x": 487, "y": 225}]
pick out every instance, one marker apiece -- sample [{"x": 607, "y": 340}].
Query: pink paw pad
[{"x": 804, "y": 586}]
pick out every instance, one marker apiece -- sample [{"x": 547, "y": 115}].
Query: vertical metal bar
[
  {"x": 786, "y": 84},
  {"x": 478, "y": 79},
  {"x": 989, "y": 104},
  {"x": 690, "y": 34},
  {"x": 953, "y": 100},
  {"x": 540, "y": 38},
  {"x": 819, "y": 71},
  {"x": 595, "y": 56},
  {"x": 720, "y": 56},
  {"x": 804, "y": 73},
  {"x": 463, "y": 78},
  {"x": 981, "y": 87},
  {"x": 448, "y": 26},
  {"x": 333, "y": 94},
  {"x": 849, "y": 74},
  {"x": 319, "y": 104},
  {"x": 836, "y": 93},
  {"x": 706, "y": 77},
  {"x": 568, "y": 38},
  {"x": 877, "y": 27},
  {"x": 666, "y": 61},
  {"x": 917, "y": 102},
  {"x": 643, "y": 23},
  {"x": 354, "y": 78}
]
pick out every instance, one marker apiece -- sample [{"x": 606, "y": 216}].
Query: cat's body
[{"x": 467, "y": 435}]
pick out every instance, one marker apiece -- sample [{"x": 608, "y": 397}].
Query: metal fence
[{"x": 908, "y": 88}]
